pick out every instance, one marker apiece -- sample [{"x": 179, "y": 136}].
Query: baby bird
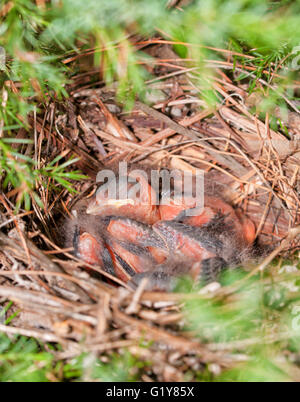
[
  {"x": 83, "y": 233},
  {"x": 134, "y": 198},
  {"x": 133, "y": 237}
]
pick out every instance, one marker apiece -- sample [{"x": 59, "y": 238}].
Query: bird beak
[{"x": 95, "y": 208}]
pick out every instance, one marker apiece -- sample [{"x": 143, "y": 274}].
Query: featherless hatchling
[{"x": 135, "y": 237}]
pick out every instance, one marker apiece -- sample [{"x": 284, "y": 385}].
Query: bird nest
[{"x": 257, "y": 168}]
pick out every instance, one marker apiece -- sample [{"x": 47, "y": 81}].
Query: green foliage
[
  {"x": 23, "y": 359},
  {"x": 36, "y": 39},
  {"x": 259, "y": 319},
  {"x": 122, "y": 367},
  {"x": 26, "y": 359},
  {"x": 22, "y": 173},
  {"x": 257, "y": 370}
]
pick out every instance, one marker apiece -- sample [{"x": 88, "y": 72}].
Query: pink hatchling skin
[{"x": 133, "y": 240}]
